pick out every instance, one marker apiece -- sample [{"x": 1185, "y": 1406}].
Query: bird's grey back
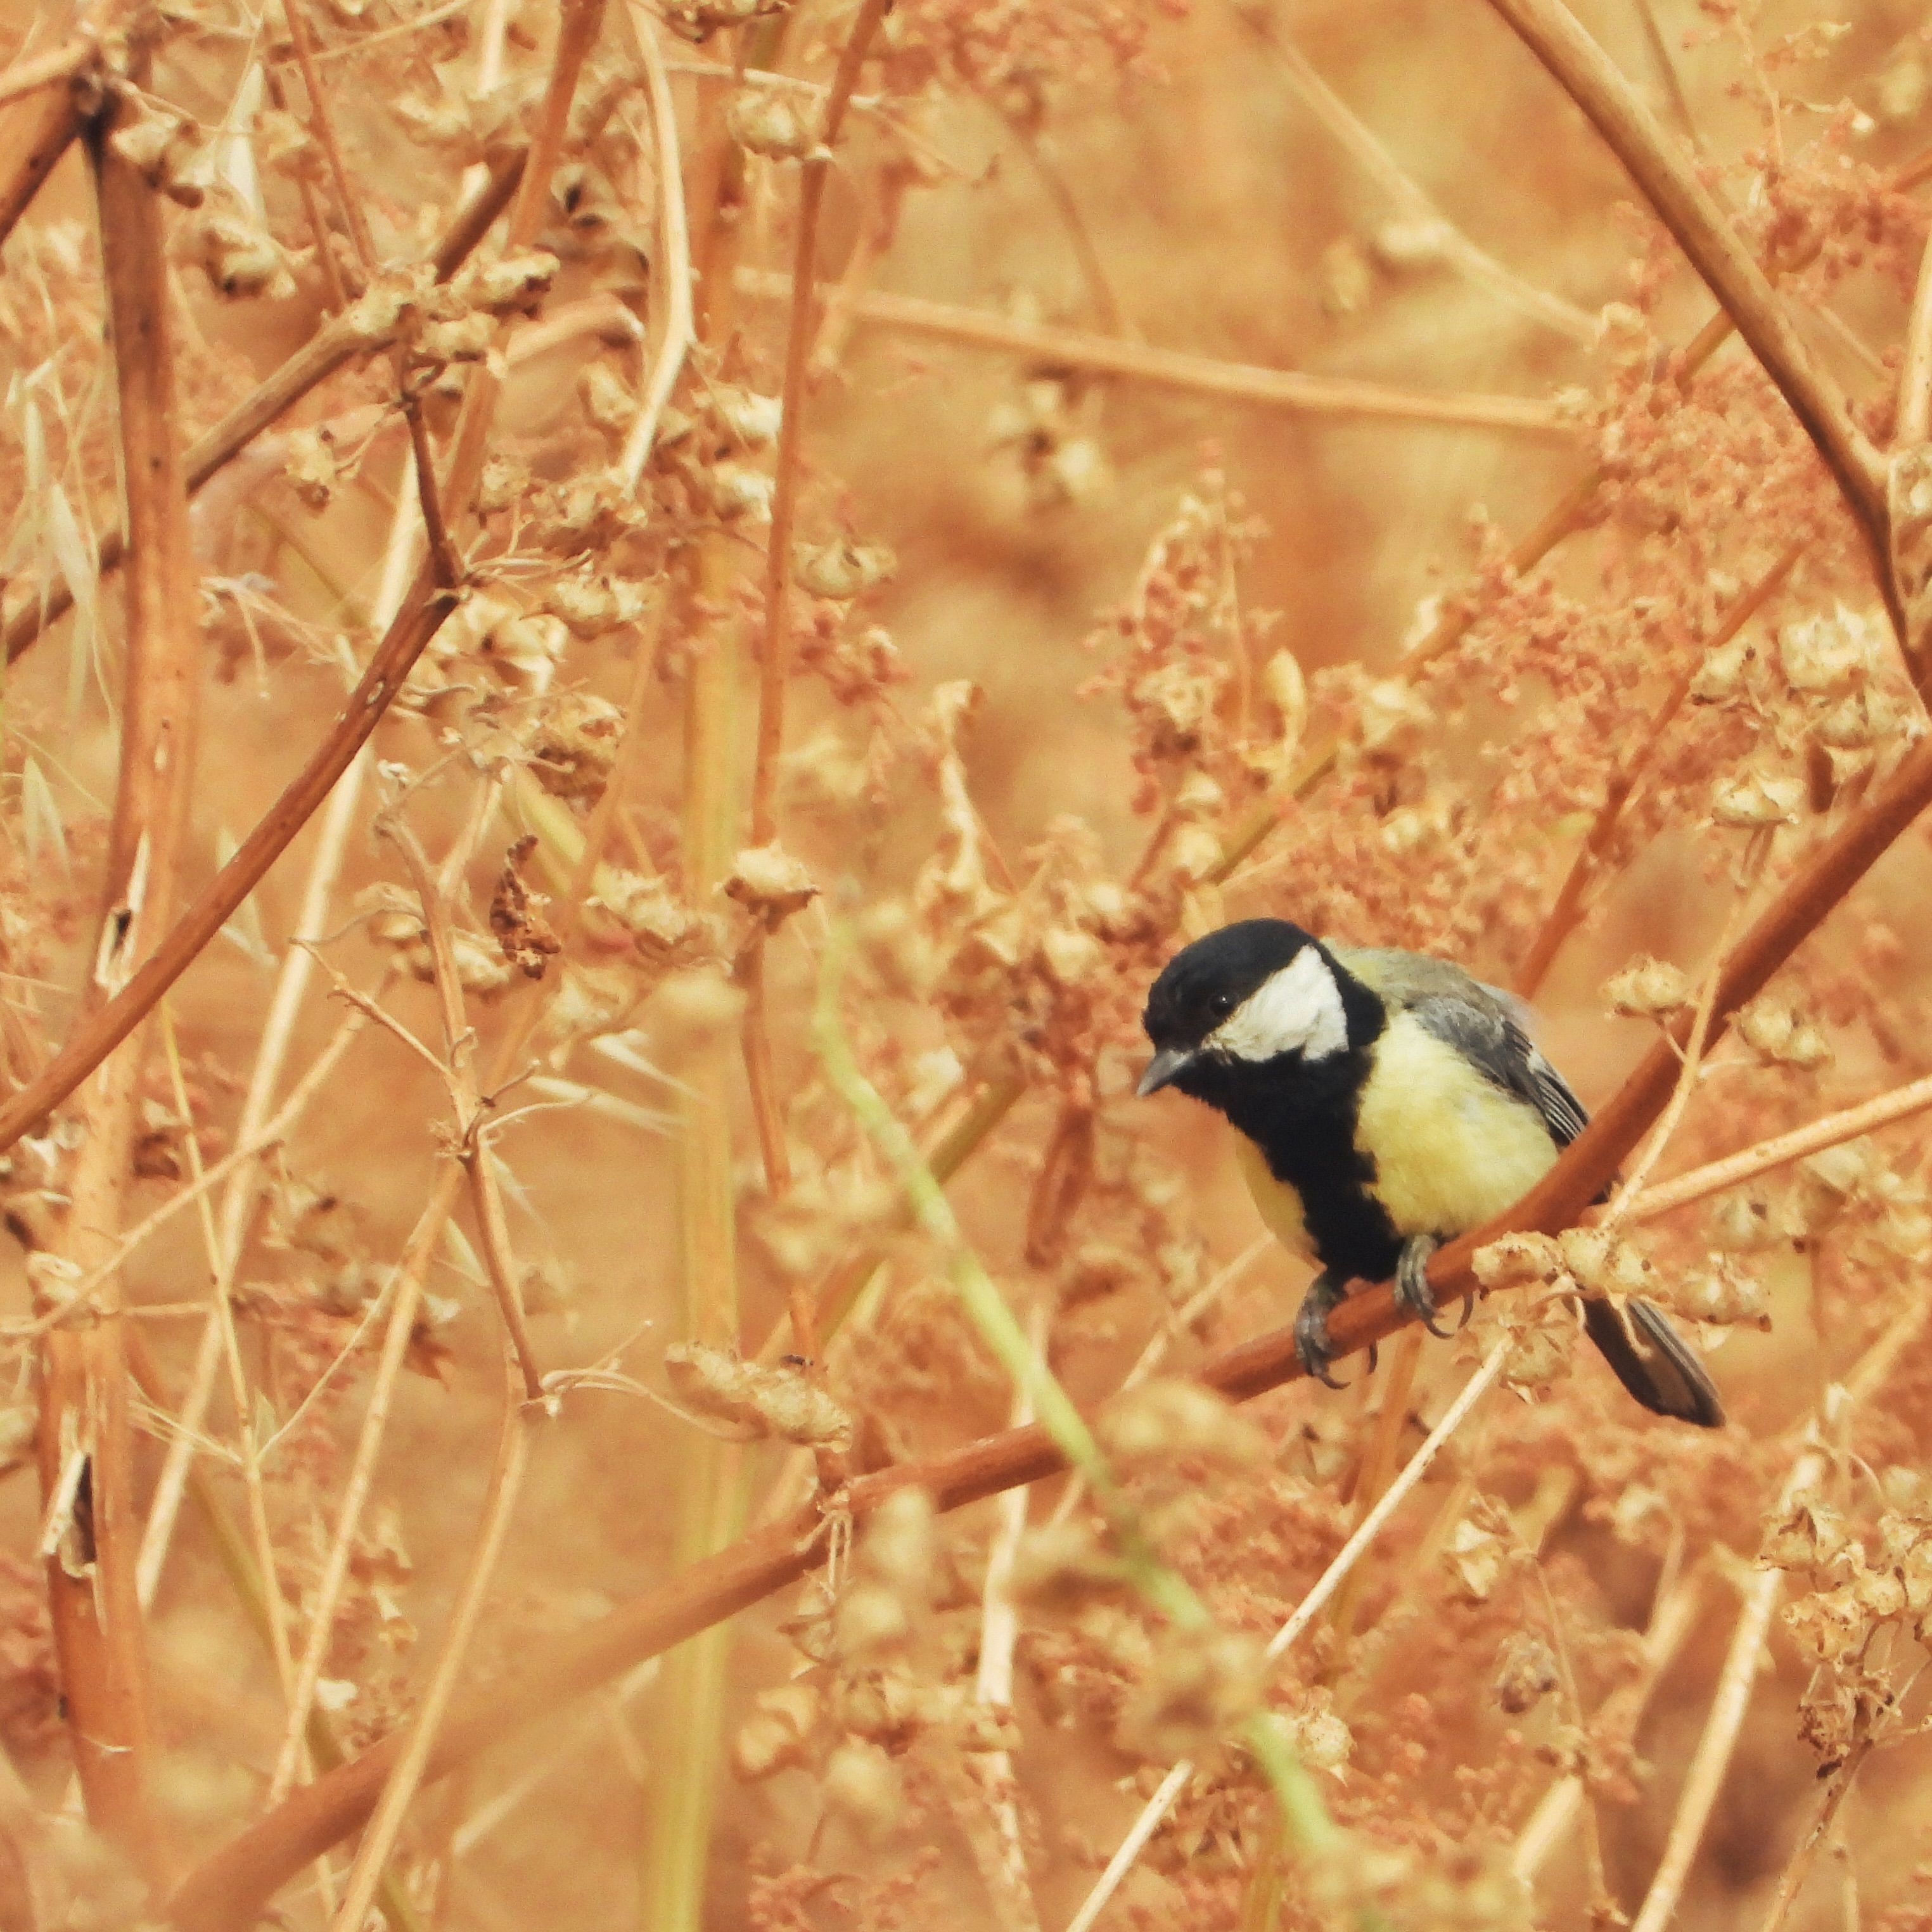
[{"x": 1487, "y": 1025}]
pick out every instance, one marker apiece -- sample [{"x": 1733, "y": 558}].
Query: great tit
[{"x": 1386, "y": 1101}]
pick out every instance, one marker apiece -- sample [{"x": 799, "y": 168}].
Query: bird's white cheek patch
[{"x": 1298, "y": 1009}]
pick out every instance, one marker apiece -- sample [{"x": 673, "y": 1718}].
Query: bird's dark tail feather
[{"x": 1653, "y": 1362}]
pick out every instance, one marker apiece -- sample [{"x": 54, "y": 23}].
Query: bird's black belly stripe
[{"x": 1303, "y": 1120}]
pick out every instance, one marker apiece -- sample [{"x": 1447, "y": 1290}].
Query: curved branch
[{"x": 1688, "y": 209}]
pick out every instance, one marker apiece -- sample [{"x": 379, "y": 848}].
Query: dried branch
[
  {"x": 338, "y": 342},
  {"x": 1567, "y": 914},
  {"x": 423, "y": 614},
  {"x": 34, "y": 136},
  {"x": 1476, "y": 265},
  {"x": 96, "y": 1611},
  {"x": 775, "y": 652},
  {"x": 61, "y": 63},
  {"x": 1687, "y": 208},
  {"x": 1170, "y": 368},
  {"x": 1885, "y": 1110},
  {"x": 679, "y": 325}
]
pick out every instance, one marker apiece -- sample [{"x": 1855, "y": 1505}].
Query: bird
[{"x": 1384, "y": 1102}]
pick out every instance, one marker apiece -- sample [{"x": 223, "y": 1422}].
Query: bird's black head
[{"x": 1253, "y": 992}]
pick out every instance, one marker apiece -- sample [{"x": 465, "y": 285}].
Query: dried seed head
[
  {"x": 1518, "y": 1260},
  {"x": 773, "y": 121},
  {"x": 242, "y": 261},
  {"x": 871, "y": 1621},
  {"x": 1171, "y": 1417},
  {"x": 1774, "y": 1027},
  {"x": 901, "y": 1544},
  {"x": 1647, "y": 988},
  {"x": 1317, "y": 1736},
  {"x": 1477, "y": 1550},
  {"x": 1202, "y": 1684},
  {"x": 743, "y": 416},
  {"x": 842, "y": 570},
  {"x": 1526, "y": 1672},
  {"x": 575, "y": 744},
  {"x": 646, "y": 908},
  {"x": 1744, "y": 1220},
  {"x": 1602, "y": 1263},
  {"x": 310, "y": 466},
  {"x": 781, "y": 1401},
  {"x": 777, "y": 1734},
  {"x": 1721, "y": 677},
  {"x": 770, "y": 884},
  {"x": 1823, "y": 656},
  {"x": 593, "y": 604},
  {"x": 1725, "y": 1293},
  {"x": 861, "y": 1786},
  {"x": 1758, "y": 797}
]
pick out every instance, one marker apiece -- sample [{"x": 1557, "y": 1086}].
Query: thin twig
[
  {"x": 1477, "y": 265},
  {"x": 60, "y": 63},
  {"x": 1915, "y": 373},
  {"x": 1712, "y": 1758},
  {"x": 679, "y": 325},
  {"x": 1687, "y": 208},
  {"x": 506, "y": 1476},
  {"x": 1169, "y": 368},
  {"x": 322, "y": 120},
  {"x": 1883, "y": 1111},
  {"x": 1567, "y": 914},
  {"x": 775, "y": 655},
  {"x": 35, "y": 133}
]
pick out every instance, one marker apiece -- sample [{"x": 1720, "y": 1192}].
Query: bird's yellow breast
[
  {"x": 1451, "y": 1148},
  {"x": 1279, "y": 1204}
]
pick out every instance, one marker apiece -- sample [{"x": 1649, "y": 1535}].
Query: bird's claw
[
  {"x": 1311, "y": 1328},
  {"x": 1413, "y": 1294}
]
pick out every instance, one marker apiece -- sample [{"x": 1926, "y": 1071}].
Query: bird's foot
[
  {"x": 1413, "y": 1294},
  {"x": 1311, "y": 1328}
]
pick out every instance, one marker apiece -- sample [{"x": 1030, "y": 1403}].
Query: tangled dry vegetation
[{"x": 625, "y": 655}]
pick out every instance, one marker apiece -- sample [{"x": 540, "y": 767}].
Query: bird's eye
[{"x": 1221, "y": 1005}]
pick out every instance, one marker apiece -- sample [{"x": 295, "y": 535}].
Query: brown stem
[
  {"x": 322, "y": 122},
  {"x": 774, "y": 662},
  {"x": 34, "y": 135},
  {"x": 1702, "y": 230},
  {"x": 61, "y": 63},
  {"x": 1567, "y": 914},
  {"x": 92, "y": 1595},
  {"x": 1172, "y": 368},
  {"x": 340, "y": 341},
  {"x": 422, "y": 616}
]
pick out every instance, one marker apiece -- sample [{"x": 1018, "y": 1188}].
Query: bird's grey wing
[{"x": 1488, "y": 1026}]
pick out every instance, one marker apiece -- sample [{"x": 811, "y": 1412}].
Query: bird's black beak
[{"x": 1164, "y": 1069}]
